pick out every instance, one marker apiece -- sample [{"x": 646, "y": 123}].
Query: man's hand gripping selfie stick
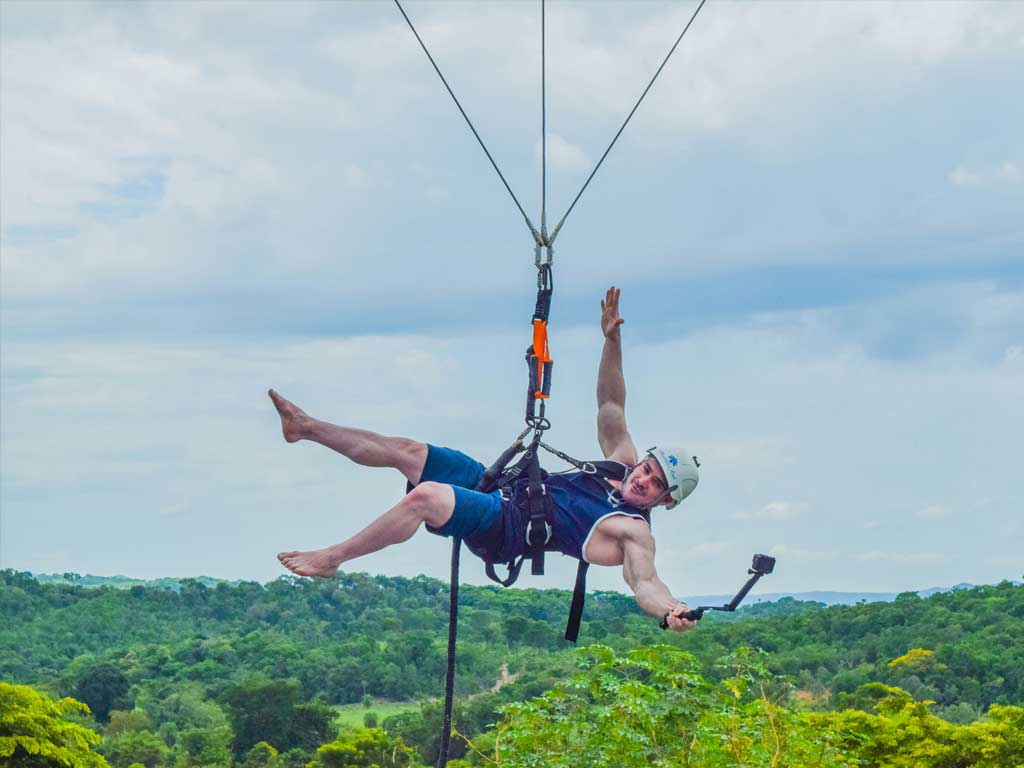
[{"x": 762, "y": 566}]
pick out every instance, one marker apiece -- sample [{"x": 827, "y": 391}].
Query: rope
[
  {"x": 453, "y": 628},
  {"x": 533, "y": 230},
  {"x": 554, "y": 233},
  {"x": 543, "y": 129}
]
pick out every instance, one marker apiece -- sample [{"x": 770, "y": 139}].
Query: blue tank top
[{"x": 581, "y": 502}]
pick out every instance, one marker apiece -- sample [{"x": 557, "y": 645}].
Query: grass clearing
[{"x": 351, "y": 715}]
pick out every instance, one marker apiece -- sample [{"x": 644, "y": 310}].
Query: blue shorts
[{"x": 476, "y": 514}]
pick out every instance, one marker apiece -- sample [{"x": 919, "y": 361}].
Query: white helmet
[{"x": 680, "y": 470}]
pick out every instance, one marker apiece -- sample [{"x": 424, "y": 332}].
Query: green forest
[{"x": 348, "y": 672}]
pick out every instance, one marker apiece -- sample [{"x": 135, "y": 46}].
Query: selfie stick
[{"x": 762, "y": 566}]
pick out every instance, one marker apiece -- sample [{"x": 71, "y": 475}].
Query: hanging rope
[
  {"x": 543, "y": 131},
  {"x": 554, "y": 233},
  {"x": 533, "y": 230}
]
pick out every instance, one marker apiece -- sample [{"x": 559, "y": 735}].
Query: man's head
[
  {"x": 645, "y": 485},
  {"x": 665, "y": 476}
]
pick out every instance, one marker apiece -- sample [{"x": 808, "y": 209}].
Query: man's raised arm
[
  {"x": 612, "y": 434},
  {"x": 638, "y": 570}
]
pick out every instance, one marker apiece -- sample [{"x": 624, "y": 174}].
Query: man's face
[{"x": 645, "y": 485}]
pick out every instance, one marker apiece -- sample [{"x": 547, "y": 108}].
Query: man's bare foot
[
  {"x": 317, "y": 562},
  {"x": 293, "y": 419}
]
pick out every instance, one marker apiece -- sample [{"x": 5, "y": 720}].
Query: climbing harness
[{"x": 539, "y": 506}]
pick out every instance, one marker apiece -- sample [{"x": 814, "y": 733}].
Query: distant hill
[
  {"x": 828, "y": 598},
  {"x": 125, "y": 582}
]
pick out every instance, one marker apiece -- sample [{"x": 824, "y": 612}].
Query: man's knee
[
  {"x": 433, "y": 503},
  {"x": 412, "y": 459}
]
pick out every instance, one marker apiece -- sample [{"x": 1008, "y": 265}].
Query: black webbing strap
[
  {"x": 538, "y": 359},
  {"x": 496, "y": 474},
  {"x": 499, "y": 477},
  {"x": 513, "y": 572},
  {"x": 538, "y": 530},
  {"x": 538, "y": 527},
  {"x": 508, "y": 477},
  {"x": 579, "y": 594},
  {"x": 540, "y": 381},
  {"x": 453, "y": 628},
  {"x": 545, "y": 288},
  {"x": 487, "y": 483}
]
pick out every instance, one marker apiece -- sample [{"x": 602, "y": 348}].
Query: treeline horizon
[{"x": 825, "y": 596}]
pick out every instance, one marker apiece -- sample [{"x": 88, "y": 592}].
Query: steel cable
[
  {"x": 533, "y": 230},
  {"x": 554, "y": 232}
]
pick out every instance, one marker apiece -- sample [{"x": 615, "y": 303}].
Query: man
[{"x": 602, "y": 526}]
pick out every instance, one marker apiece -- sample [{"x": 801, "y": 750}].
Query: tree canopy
[{"x": 194, "y": 674}]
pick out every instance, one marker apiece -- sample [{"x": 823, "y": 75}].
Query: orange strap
[{"x": 541, "y": 351}]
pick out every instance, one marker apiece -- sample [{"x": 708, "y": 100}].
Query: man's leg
[
  {"x": 431, "y": 503},
  {"x": 359, "y": 445}
]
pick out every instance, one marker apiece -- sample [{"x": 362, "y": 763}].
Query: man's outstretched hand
[
  {"x": 610, "y": 320},
  {"x": 678, "y": 624}
]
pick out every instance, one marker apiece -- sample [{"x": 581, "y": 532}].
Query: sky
[{"x": 815, "y": 218}]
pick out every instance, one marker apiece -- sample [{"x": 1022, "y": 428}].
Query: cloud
[
  {"x": 437, "y": 194},
  {"x": 740, "y": 451},
  {"x": 355, "y": 177},
  {"x": 1004, "y": 173},
  {"x": 706, "y": 551},
  {"x": 173, "y": 137},
  {"x": 563, "y": 156},
  {"x": 174, "y": 510},
  {"x": 873, "y": 49},
  {"x": 109, "y": 101},
  {"x": 1011, "y": 562},
  {"x": 932, "y": 512},
  {"x": 901, "y": 558},
  {"x": 111, "y": 427},
  {"x": 192, "y": 210},
  {"x": 776, "y": 511},
  {"x": 801, "y": 554},
  {"x": 254, "y": 138},
  {"x": 923, "y": 321}
]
